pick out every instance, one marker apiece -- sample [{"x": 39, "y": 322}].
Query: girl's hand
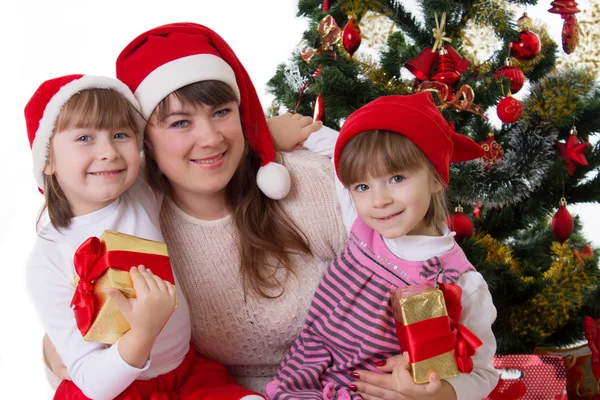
[
  {"x": 399, "y": 385},
  {"x": 53, "y": 360},
  {"x": 290, "y": 130},
  {"x": 154, "y": 303}
]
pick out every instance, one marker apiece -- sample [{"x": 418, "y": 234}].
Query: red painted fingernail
[
  {"x": 354, "y": 375},
  {"x": 354, "y": 388},
  {"x": 380, "y": 363}
]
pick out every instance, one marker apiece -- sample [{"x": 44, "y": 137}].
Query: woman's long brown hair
[{"x": 267, "y": 235}]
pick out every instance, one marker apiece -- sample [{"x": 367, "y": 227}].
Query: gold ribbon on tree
[
  {"x": 462, "y": 101},
  {"x": 439, "y": 33},
  {"x": 330, "y": 34}
]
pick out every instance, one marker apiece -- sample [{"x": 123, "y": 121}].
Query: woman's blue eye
[
  {"x": 222, "y": 113},
  {"x": 84, "y": 138},
  {"x": 120, "y": 135},
  {"x": 361, "y": 188},
  {"x": 180, "y": 124},
  {"x": 397, "y": 178}
]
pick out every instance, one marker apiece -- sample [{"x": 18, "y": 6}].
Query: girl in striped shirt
[{"x": 393, "y": 157}]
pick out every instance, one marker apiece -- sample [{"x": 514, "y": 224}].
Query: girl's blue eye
[
  {"x": 84, "y": 138},
  {"x": 222, "y": 113},
  {"x": 397, "y": 178},
  {"x": 180, "y": 124},
  {"x": 361, "y": 188},
  {"x": 120, "y": 135}
]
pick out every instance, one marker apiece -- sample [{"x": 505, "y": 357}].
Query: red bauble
[
  {"x": 493, "y": 150},
  {"x": 319, "y": 111},
  {"x": 562, "y": 222},
  {"x": 528, "y": 46},
  {"x": 445, "y": 72},
  {"x": 570, "y": 34},
  {"x": 460, "y": 223},
  {"x": 514, "y": 75},
  {"x": 351, "y": 36},
  {"x": 325, "y": 6},
  {"x": 509, "y": 110},
  {"x": 587, "y": 252}
]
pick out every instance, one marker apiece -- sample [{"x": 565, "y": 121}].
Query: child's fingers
[
  {"x": 305, "y": 121},
  {"x": 139, "y": 283},
  {"x": 434, "y": 385},
  {"x": 391, "y": 362},
  {"x": 161, "y": 284},
  {"x": 313, "y": 127},
  {"x": 150, "y": 281},
  {"x": 122, "y": 302},
  {"x": 172, "y": 291}
]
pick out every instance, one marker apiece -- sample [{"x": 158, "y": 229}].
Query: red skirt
[{"x": 195, "y": 378}]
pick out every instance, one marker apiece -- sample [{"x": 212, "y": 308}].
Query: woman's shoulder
[{"x": 306, "y": 166}]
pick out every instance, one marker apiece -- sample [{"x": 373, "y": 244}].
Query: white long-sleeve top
[
  {"x": 478, "y": 312},
  {"x": 98, "y": 369}
]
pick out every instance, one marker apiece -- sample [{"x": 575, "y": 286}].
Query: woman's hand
[
  {"x": 399, "y": 385},
  {"x": 290, "y": 130},
  {"x": 53, "y": 360}
]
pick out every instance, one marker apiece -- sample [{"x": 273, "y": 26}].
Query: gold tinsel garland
[
  {"x": 549, "y": 310},
  {"x": 555, "y": 100},
  {"x": 497, "y": 252}
]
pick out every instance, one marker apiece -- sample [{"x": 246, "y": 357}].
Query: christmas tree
[{"x": 542, "y": 273}]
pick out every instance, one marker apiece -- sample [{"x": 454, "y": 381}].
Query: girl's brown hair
[
  {"x": 378, "y": 153},
  {"x": 268, "y": 234},
  {"x": 99, "y": 109}
]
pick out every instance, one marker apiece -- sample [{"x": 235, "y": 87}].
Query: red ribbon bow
[
  {"x": 92, "y": 260},
  {"x": 89, "y": 269},
  {"x": 462, "y": 101},
  {"x": 591, "y": 329},
  {"x": 431, "y": 337}
]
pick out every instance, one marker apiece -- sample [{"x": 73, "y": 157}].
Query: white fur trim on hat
[
  {"x": 176, "y": 74},
  {"x": 41, "y": 143},
  {"x": 274, "y": 180}
]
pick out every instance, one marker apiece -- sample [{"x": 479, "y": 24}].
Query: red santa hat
[
  {"x": 45, "y": 105},
  {"x": 417, "y": 117},
  {"x": 169, "y": 57}
]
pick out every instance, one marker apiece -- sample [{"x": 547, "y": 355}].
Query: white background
[{"x": 41, "y": 39}]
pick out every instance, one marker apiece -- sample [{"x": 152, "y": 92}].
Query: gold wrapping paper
[
  {"x": 417, "y": 303},
  {"x": 110, "y": 324}
]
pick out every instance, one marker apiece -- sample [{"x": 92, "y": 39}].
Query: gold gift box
[
  {"x": 110, "y": 324},
  {"x": 417, "y": 303}
]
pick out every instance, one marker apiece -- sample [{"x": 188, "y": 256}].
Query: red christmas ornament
[
  {"x": 460, "y": 223},
  {"x": 351, "y": 36},
  {"x": 325, "y": 6},
  {"x": 509, "y": 110},
  {"x": 562, "y": 222},
  {"x": 529, "y": 45},
  {"x": 477, "y": 210},
  {"x": 445, "y": 72},
  {"x": 573, "y": 152},
  {"x": 319, "y": 110},
  {"x": 420, "y": 66},
  {"x": 514, "y": 75},
  {"x": 570, "y": 34},
  {"x": 493, "y": 150}
]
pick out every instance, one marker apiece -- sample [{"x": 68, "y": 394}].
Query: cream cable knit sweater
[{"x": 251, "y": 337}]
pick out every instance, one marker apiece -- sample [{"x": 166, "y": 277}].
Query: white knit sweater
[{"x": 251, "y": 336}]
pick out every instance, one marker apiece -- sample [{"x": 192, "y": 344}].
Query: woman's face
[{"x": 198, "y": 148}]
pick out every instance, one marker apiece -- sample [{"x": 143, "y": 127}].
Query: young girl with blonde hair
[
  {"x": 393, "y": 157},
  {"x": 85, "y": 134}
]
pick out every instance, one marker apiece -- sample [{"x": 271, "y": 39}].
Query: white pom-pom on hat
[{"x": 274, "y": 180}]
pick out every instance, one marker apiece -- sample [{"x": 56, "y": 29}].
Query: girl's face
[
  {"x": 395, "y": 204},
  {"x": 93, "y": 167},
  {"x": 197, "y": 148}
]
